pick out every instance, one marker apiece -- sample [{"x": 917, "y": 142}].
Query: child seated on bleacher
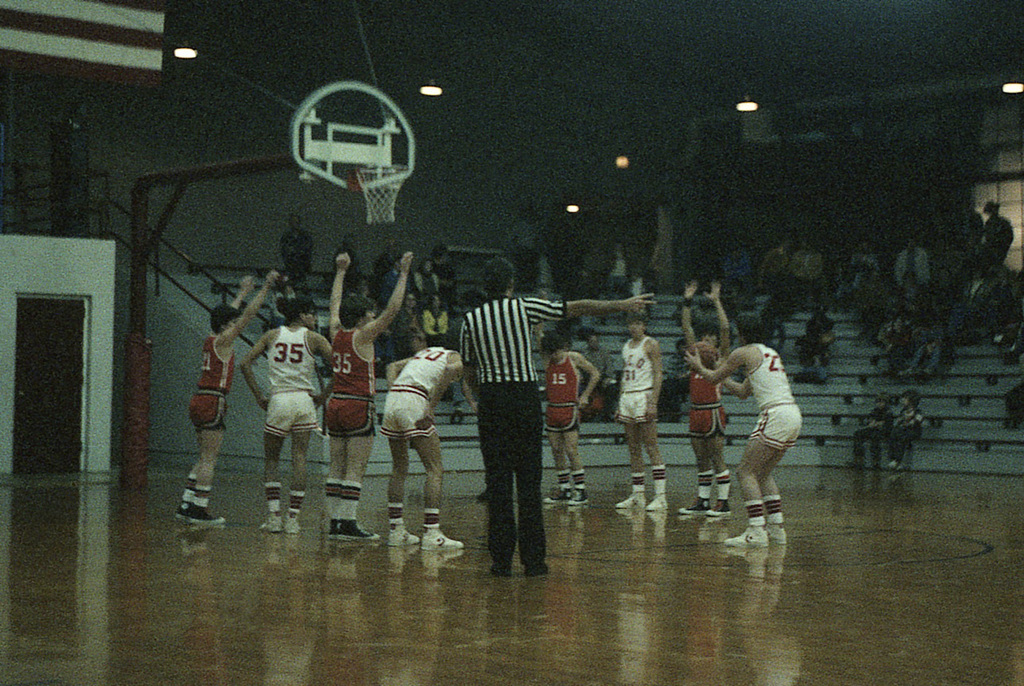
[{"x": 906, "y": 428}]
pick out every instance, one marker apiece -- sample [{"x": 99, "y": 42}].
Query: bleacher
[{"x": 964, "y": 406}]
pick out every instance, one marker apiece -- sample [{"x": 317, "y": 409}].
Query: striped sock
[
  {"x": 272, "y": 489},
  {"x": 563, "y": 480},
  {"x": 658, "y": 473},
  {"x": 755, "y": 512},
  {"x": 431, "y": 518},
  {"x": 578, "y": 481},
  {"x": 722, "y": 481},
  {"x": 638, "y": 482},
  {"x": 350, "y": 492},
  {"x": 704, "y": 481},
  {"x": 395, "y": 513},
  {"x": 332, "y": 497},
  {"x": 295, "y": 503},
  {"x": 201, "y": 497},
  {"x": 773, "y": 509},
  {"x": 188, "y": 496}
]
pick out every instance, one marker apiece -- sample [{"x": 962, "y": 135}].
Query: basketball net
[{"x": 380, "y": 186}]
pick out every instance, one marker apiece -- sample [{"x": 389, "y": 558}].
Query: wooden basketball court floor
[{"x": 907, "y": 580}]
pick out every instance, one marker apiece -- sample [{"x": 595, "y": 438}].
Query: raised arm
[
  {"x": 231, "y": 332},
  {"x": 375, "y": 328},
  {"x": 723, "y": 320},
  {"x": 341, "y": 265},
  {"x": 686, "y": 317},
  {"x": 579, "y": 308},
  {"x": 244, "y": 288}
]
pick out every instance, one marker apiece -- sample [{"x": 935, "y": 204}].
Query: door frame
[{"x": 51, "y": 267}]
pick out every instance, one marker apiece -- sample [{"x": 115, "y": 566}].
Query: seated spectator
[
  {"x": 875, "y": 432},
  {"x": 447, "y": 287},
  {"x": 434, "y": 321},
  {"x": 814, "y": 347},
  {"x": 426, "y": 281},
  {"x": 906, "y": 428},
  {"x": 860, "y": 269},
  {"x": 975, "y": 313},
  {"x": 807, "y": 272},
  {"x": 912, "y": 269},
  {"x": 738, "y": 274},
  {"x": 897, "y": 339},
  {"x": 872, "y": 302},
  {"x": 928, "y": 353},
  {"x": 405, "y": 326}
]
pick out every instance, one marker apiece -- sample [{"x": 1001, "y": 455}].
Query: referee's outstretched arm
[{"x": 580, "y": 308}]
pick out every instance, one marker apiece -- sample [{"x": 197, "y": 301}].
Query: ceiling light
[
  {"x": 572, "y": 209},
  {"x": 185, "y": 53},
  {"x": 1013, "y": 87},
  {"x": 431, "y": 89},
  {"x": 747, "y": 105},
  {"x": 621, "y": 161}
]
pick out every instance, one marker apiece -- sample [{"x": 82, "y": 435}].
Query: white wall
[{"x": 69, "y": 267}]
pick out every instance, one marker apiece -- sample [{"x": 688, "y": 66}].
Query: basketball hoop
[
  {"x": 353, "y": 146},
  {"x": 380, "y": 186}
]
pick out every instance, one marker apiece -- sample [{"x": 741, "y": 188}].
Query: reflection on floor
[{"x": 884, "y": 580}]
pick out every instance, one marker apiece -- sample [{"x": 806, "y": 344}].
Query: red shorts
[
  {"x": 348, "y": 416},
  {"x": 562, "y": 418},
  {"x": 706, "y": 422},
  {"x": 207, "y": 410}
]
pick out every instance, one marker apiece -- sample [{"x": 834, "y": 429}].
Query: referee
[{"x": 497, "y": 353}]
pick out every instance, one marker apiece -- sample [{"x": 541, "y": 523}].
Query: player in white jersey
[
  {"x": 291, "y": 408},
  {"x": 638, "y": 412},
  {"x": 778, "y": 427},
  {"x": 415, "y": 385}
]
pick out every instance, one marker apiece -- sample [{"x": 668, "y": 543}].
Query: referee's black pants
[{"x": 511, "y": 439}]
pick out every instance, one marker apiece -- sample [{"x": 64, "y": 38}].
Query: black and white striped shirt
[{"x": 496, "y": 337}]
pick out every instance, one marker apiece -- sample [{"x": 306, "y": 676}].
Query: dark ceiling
[{"x": 548, "y": 93}]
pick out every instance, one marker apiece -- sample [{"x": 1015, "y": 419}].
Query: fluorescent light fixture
[
  {"x": 747, "y": 105},
  {"x": 185, "y": 53},
  {"x": 622, "y": 162},
  {"x": 572, "y": 209},
  {"x": 431, "y": 89},
  {"x": 1013, "y": 87}
]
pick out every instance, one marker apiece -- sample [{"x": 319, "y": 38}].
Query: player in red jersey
[
  {"x": 209, "y": 403},
  {"x": 354, "y": 328},
  {"x": 562, "y": 416},
  {"x": 707, "y": 416}
]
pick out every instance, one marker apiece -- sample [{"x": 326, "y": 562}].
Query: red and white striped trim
[{"x": 404, "y": 388}]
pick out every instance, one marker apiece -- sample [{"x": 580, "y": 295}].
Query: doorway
[{"x": 48, "y": 384}]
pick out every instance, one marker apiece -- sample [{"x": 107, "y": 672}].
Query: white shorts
[
  {"x": 633, "y": 407},
  {"x": 778, "y": 426},
  {"x": 402, "y": 410},
  {"x": 290, "y": 411}
]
